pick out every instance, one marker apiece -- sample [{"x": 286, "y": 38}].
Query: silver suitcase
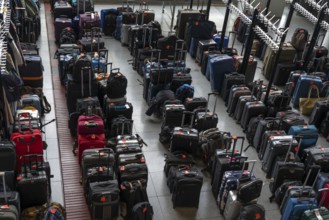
[
  {"x": 125, "y": 34},
  {"x": 232, "y": 207}
]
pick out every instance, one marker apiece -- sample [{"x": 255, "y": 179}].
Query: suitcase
[
  {"x": 303, "y": 86},
  {"x": 183, "y": 16},
  {"x": 89, "y": 141},
  {"x": 187, "y": 188},
  {"x": 266, "y": 138},
  {"x": 193, "y": 103},
  {"x": 251, "y": 67},
  {"x": 128, "y": 158},
  {"x": 118, "y": 25},
  {"x": 97, "y": 174},
  {"x": 121, "y": 126},
  {"x": 224, "y": 63},
  {"x": 145, "y": 16},
  {"x": 11, "y": 202},
  {"x": 185, "y": 138},
  {"x": 249, "y": 191},
  {"x": 296, "y": 207},
  {"x": 104, "y": 198},
  {"x": 204, "y": 119},
  {"x": 293, "y": 78},
  {"x": 60, "y": 24},
  {"x": 180, "y": 79},
  {"x": 116, "y": 84},
  {"x": 203, "y": 46},
  {"x": 316, "y": 213},
  {"x": 208, "y": 55},
  {"x": 172, "y": 115},
  {"x": 62, "y": 8},
  {"x": 89, "y": 20},
  {"x": 85, "y": 104},
  {"x": 318, "y": 113},
  {"x": 7, "y": 155},
  {"x": 109, "y": 25},
  {"x": 31, "y": 102},
  {"x": 125, "y": 34},
  {"x": 217, "y": 39},
  {"x": 27, "y": 142},
  {"x": 240, "y": 106},
  {"x": 282, "y": 73},
  {"x": 113, "y": 110},
  {"x": 224, "y": 163},
  {"x": 252, "y": 109},
  {"x": 32, "y": 72},
  {"x": 252, "y": 211},
  {"x": 235, "y": 93},
  {"x": 32, "y": 183},
  {"x": 231, "y": 79},
  {"x": 23, "y": 121},
  {"x": 129, "y": 18},
  {"x": 264, "y": 125},
  {"x": 277, "y": 148},
  {"x": 90, "y": 124},
  {"x": 177, "y": 158},
  {"x": 132, "y": 171},
  {"x": 104, "y": 13},
  {"x": 233, "y": 206},
  {"x": 291, "y": 120},
  {"x": 309, "y": 134},
  {"x": 92, "y": 43}
]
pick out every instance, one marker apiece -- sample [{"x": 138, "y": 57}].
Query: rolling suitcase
[
  {"x": 11, "y": 208},
  {"x": 32, "y": 183},
  {"x": 293, "y": 78},
  {"x": 90, "y": 124},
  {"x": 104, "y": 198},
  {"x": 121, "y": 126},
  {"x": 317, "y": 155},
  {"x": 319, "y": 113},
  {"x": 62, "y": 8},
  {"x": 316, "y": 213},
  {"x": 202, "y": 47},
  {"x": 180, "y": 79},
  {"x": 266, "y": 137},
  {"x": 291, "y": 120},
  {"x": 31, "y": 102},
  {"x": 132, "y": 171},
  {"x": 208, "y": 55},
  {"x": 177, "y": 158},
  {"x": 109, "y": 25},
  {"x": 172, "y": 115},
  {"x": 204, "y": 119},
  {"x": 125, "y": 34},
  {"x": 235, "y": 93},
  {"x": 252, "y": 109},
  {"x": 7, "y": 155},
  {"x": 193, "y": 103},
  {"x": 128, "y": 158},
  {"x": 32, "y": 72},
  {"x": 185, "y": 138},
  {"x": 88, "y": 21},
  {"x": 264, "y": 125},
  {"x": 116, "y": 84},
  {"x": 113, "y": 110},
  {"x": 233, "y": 206},
  {"x": 282, "y": 72},
  {"x": 231, "y": 79},
  {"x": 97, "y": 174},
  {"x": 60, "y": 24},
  {"x": 303, "y": 85},
  {"x": 104, "y": 13},
  {"x": 89, "y": 141},
  {"x": 186, "y": 188},
  {"x": 240, "y": 106},
  {"x": 183, "y": 17}
]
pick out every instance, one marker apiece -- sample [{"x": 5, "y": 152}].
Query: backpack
[
  {"x": 299, "y": 39},
  {"x": 55, "y": 211},
  {"x": 184, "y": 91},
  {"x": 116, "y": 85},
  {"x": 67, "y": 36},
  {"x": 141, "y": 211},
  {"x": 82, "y": 70}
]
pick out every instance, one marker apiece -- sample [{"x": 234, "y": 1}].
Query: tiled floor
[{"x": 149, "y": 127}]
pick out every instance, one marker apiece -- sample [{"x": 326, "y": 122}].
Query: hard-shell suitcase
[
  {"x": 127, "y": 158},
  {"x": 252, "y": 109},
  {"x": 319, "y": 112},
  {"x": 145, "y": 16},
  {"x": 233, "y": 206},
  {"x": 113, "y": 110},
  {"x": 60, "y": 24},
  {"x": 177, "y": 158},
  {"x": 204, "y": 119},
  {"x": 264, "y": 125},
  {"x": 303, "y": 85},
  {"x": 109, "y": 25},
  {"x": 92, "y": 43},
  {"x": 317, "y": 155},
  {"x": 172, "y": 115},
  {"x": 121, "y": 126},
  {"x": 89, "y": 141},
  {"x": 32, "y": 183},
  {"x": 240, "y": 106},
  {"x": 89, "y": 20},
  {"x": 10, "y": 209},
  {"x": 32, "y": 72},
  {"x": 227, "y": 163},
  {"x": 187, "y": 188},
  {"x": 231, "y": 79},
  {"x": 282, "y": 73},
  {"x": 84, "y": 104},
  {"x": 185, "y": 138},
  {"x": 207, "y": 55},
  {"x": 125, "y": 34},
  {"x": 250, "y": 191},
  {"x": 202, "y": 47},
  {"x": 217, "y": 68},
  {"x": 291, "y": 120},
  {"x": 266, "y": 138},
  {"x": 62, "y": 8},
  {"x": 235, "y": 93},
  {"x": 104, "y": 198},
  {"x": 97, "y": 174},
  {"x": 24, "y": 121},
  {"x": 174, "y": 170}
]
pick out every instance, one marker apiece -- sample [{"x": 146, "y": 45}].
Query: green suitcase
[{"x": 316, "y": 214}]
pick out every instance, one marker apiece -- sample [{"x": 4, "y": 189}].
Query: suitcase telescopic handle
[
  {"x": 184, "y": 116},
  {"x": 313, "y": 167},
  {"x": 29, "y": 118},
  {"x": 3, "y": 175},
  {"x": 214, "y": 109},
  {"x": 235, "y": 141},
  {"x": 253, "y": 162}
]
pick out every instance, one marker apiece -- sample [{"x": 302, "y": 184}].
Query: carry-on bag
[
  {"x": 266, "y": 137},
  {"x": 32, "y": 72},
  {"x": 132, "y": 171},
  {"x": 252, "y": 211},
  {"x": 60, "y": 24},
  {"x": 11, "y": 202},
  {"x": 252, "y": 109},
  {"x": 177, "y": 158},
  {"x": 90, "y": 124},
  {"x": 204, "y": 119},
  {"x": 89, "y": 141},
  {"x": 231, "y": 79},
  {"x": 192, "y": 103},
  {"x": 235, "y": 93},
  {"x": 116, "y": 84}
]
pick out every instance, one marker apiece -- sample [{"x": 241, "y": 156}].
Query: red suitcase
[
  {"x": 27, "y": 142},
  {"x": 90, "y": 141},
  {"x": 325, "y": 201},
  {"x": 90, "y": 124}
]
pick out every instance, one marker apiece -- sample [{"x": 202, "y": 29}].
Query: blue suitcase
[
  {"x": 217, "y": 38},
  {"x": 105, "y": 12},
  {"x": 310, "y": 137},
  {"x": 218, "y": 67},
  {"x": 207, "y": 71},
  {"x": 194, "y": 46},
  {"x": 321, "y": 180},
  {"x": 297, "y": 206},
  {"x": 117, "y": 32},
  {"x": 303, "y": 86}
]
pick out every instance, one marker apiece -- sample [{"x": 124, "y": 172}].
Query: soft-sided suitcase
[
  {"x": 89, "y": 20},
  {"x": 252, "y": 109},
  {"x": 32, "y": 183},
  {"x": 217, "y": 68},
  {"x": 177, "y": 158},
  {"x": 302, "y": 87},
  {"x": 109, "y": 25},
  {"x": 318, "y": 155},
  {"x": 235, "y": 93},
  {"x": 291, "y": 120},
  {"x": 231, "y": 79},
  {"x": 204, "y": 119},
  {"x": 104, "y": 198},
  {"x": 31, "y": 102},
  {"x": 132, "y": 171},
  {"x": 60, "y": 24},
  {"x": 113, "y": 110},
  {"x": 263, "y": 125},
  {"x": 121, "y": 126},
  {"x": 145, "y": 16},
  {"x": 186, "y": 188},
  {"x": 116, "y": 84},
  {"x": 62, "y": 8},
  {"x": 97, "y": 174},
  {"x": 32, "y": 72},
  {"x": 10, "y": 209},
  {"x": 104, "y": 13},
  {"x": 90, "y": 124},
  {"x": 183, "y": 17},
  {"x": 185, "y": 138},
  {"x": 202, "y": 47},
  {"x": 127, "y": 158},
  {"x": 89, "y": 141},
  {"x": 319, "y": 112},
  {"x": 193, "y": 103},
  {"x": 180, "y": 79}
]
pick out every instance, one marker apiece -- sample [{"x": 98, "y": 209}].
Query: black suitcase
[
  {"x": 97, "y": 174},
  {"x": 291, "y": 120},
  {"x": 132, "y": 171},
  {"x": 127, "y": 148},
  {"x": 282, "y": 72},
  {"x": 85, "y": 103},
  {"x": 161, "y": 75},
  {"x": 183, "y": 17},
  {"x": 230, "y": 80},
  {"x": 252, "y": 109},
  {"x": 172, "y": 115},
  {"x": 319, "y": 113},
  {"x": 235, "y": 93},
  {"x": 264, "y": 125},
  {"x": 32, "y": 184},
  {"x": 177, "y": 158},
  {"x": 32, "y": 72},
  {"x": 9, "y": 196},
  {"x": 7, "y": 155},
  {"x": 227, "y": 163},
  {"x": 276, "y": 149},
  {"x": 129, "y": 18},
  {"x": 104, "y": 198},
  {"x": 202, "y": 47},
  {"x": 204, "y": 119},
  {"x": 319, "y": 156},
  {"x": 121, "y": 126},
  {"x": 113, "y": 110},
  {"x": 193, "y": 103},
  {"x": 79, "y": 90},
  {"x": 266, "y": 138},
  {"x": 179, "y": 79},
  {"x": 186, "y": 188},
  {"x": 185, "y": 138},
  {"x": 240, "y": 106},
  {"x": 62, "y": 8},
  {"x": 251, "y": 210},
  {"x": 127, "y": 158}
]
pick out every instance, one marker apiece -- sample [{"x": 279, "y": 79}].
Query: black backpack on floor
[{"x": 141, "y": 211}]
